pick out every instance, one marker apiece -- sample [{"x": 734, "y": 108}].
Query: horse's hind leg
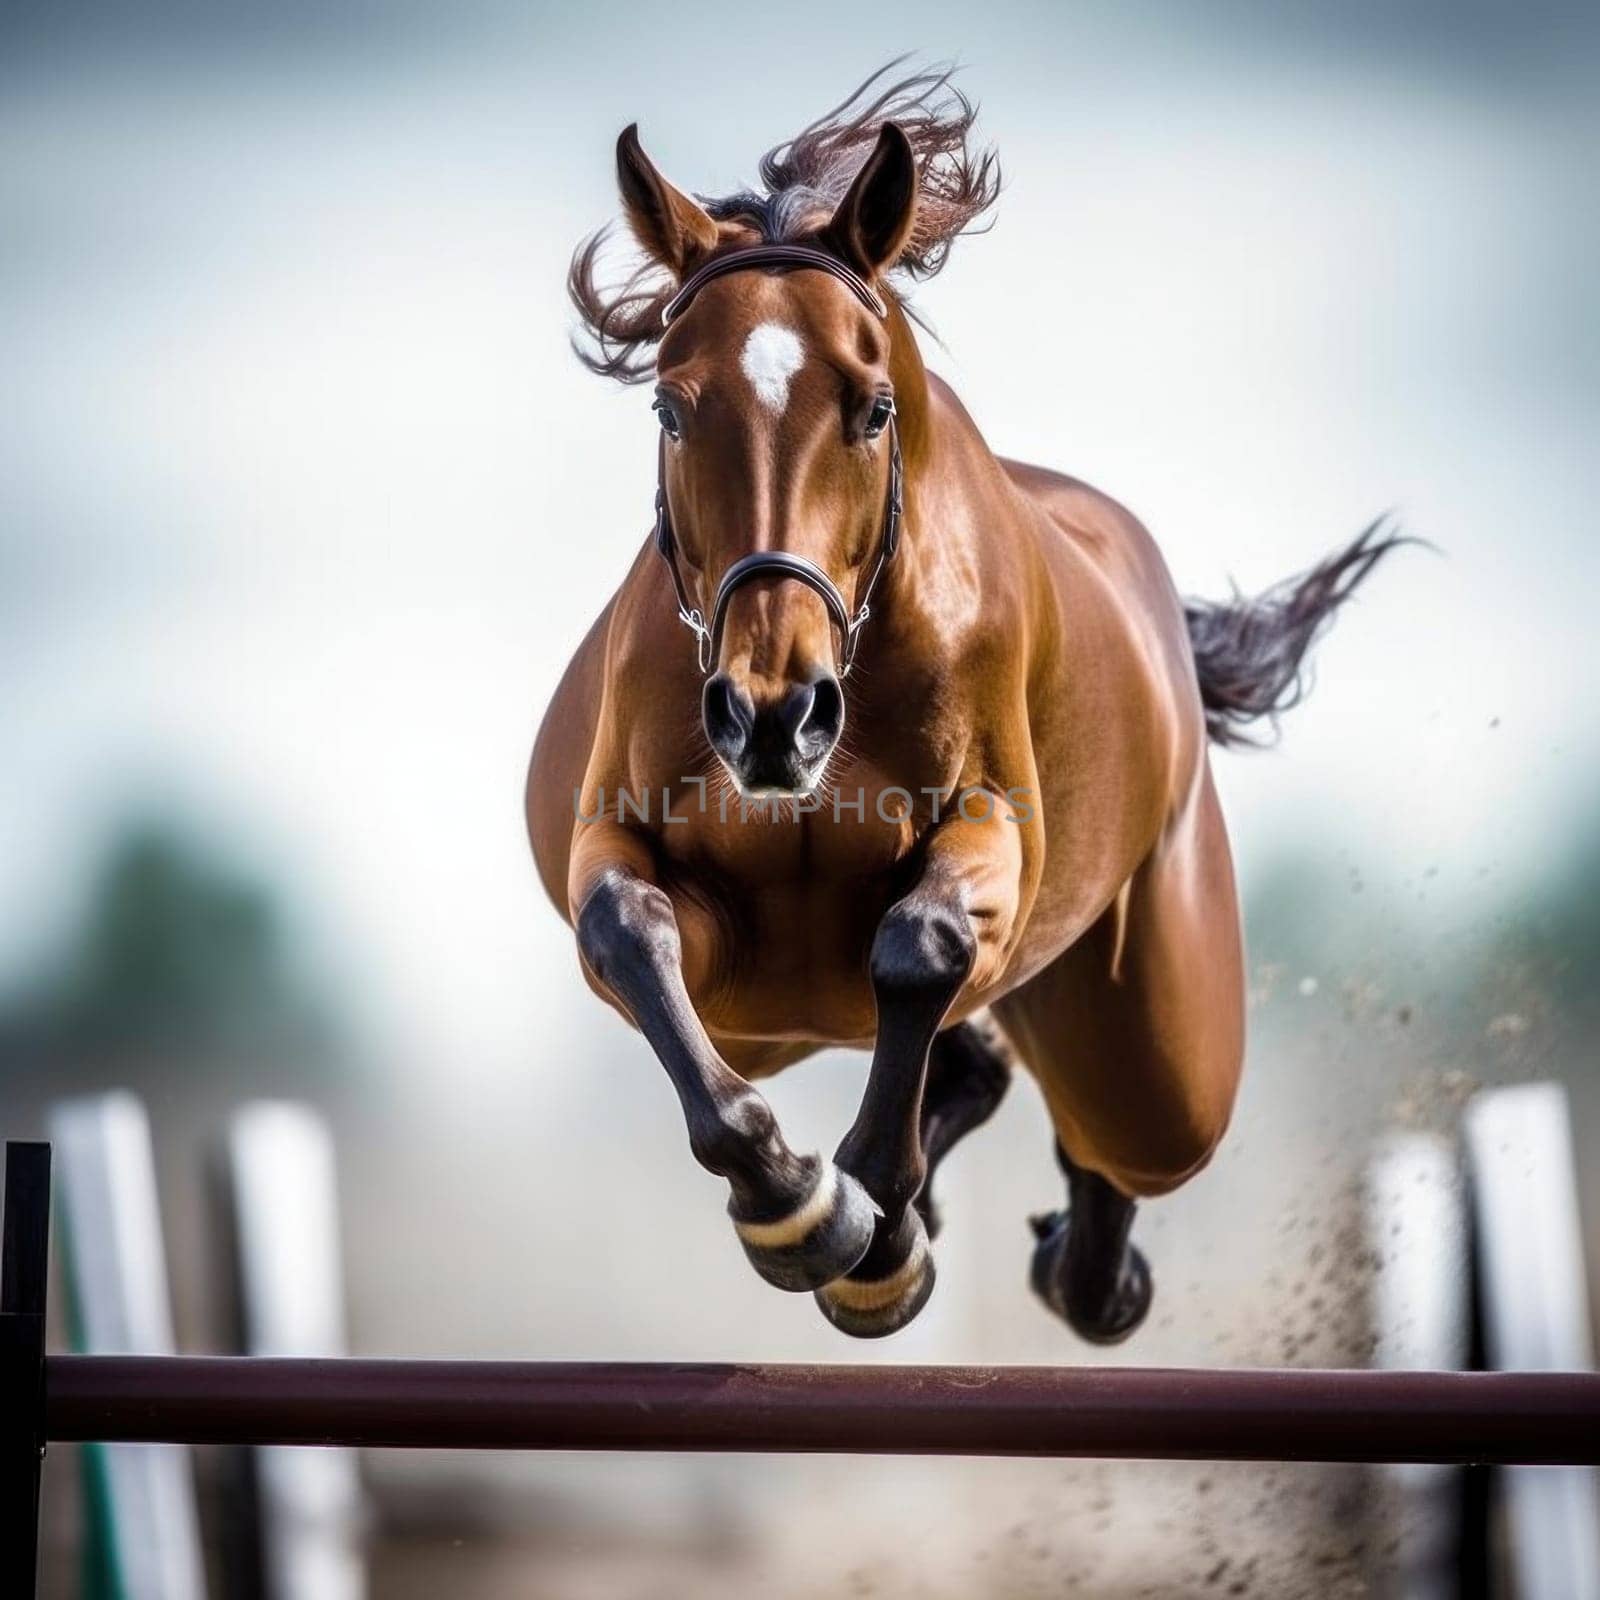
[
  {"x": 1135, "y": 1035},
  {"x": 1085, "y": 1267},
  {"x": 969, "y": 1071}
]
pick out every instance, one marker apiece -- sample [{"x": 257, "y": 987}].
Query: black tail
[{"x": 1250, "y": 653}]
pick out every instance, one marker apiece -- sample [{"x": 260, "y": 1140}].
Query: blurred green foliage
[
  {"x": 175, "y": 951},
  {"x": 1519, "y": 955}
]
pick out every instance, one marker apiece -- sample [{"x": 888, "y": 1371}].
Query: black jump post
[{"x": 24, "y": 1275}]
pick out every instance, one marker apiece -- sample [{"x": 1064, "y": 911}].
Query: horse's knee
[
  {"x": 625, "y": 923},
  {"x": 924, "y": 945}
]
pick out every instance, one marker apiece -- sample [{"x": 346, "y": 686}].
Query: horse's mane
[{"x": 803, "y": 180}]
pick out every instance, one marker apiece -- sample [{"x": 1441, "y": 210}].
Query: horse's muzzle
[{"x": 779, "y": 747}]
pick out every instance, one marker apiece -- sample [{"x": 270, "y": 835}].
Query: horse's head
[{"x": 777, "y": 413}]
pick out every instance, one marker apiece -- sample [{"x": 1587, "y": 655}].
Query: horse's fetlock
[
  {"x": 736, "y": 1137},
  {"x": 896, "y": 1191},
  {"x": 893, "y": 1178},
  {"x": 751, "y": 1119}
]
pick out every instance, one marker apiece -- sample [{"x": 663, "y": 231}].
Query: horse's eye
[
  {"x": 878, "y": 416},
  {"x": 668, "y": 419}
]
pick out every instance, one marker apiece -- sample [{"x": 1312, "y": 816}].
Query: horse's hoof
[
  {"x": 820, "y": 1240},
  {"x": 888, "y": 1288},
  {"x": 1044, "y": 1223},
  {"x": 1109, "y": 1319}
]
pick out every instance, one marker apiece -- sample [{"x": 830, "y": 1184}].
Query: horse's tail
[{"x": 1250, "y": 653}]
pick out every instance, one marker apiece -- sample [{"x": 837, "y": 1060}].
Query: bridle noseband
[{"x": 779, "y": 563}]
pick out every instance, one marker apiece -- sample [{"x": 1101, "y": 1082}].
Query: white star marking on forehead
[{"x": 770, "y": 358}]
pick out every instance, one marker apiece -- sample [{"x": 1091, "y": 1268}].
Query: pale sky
[{"x": 305, "y": 503}]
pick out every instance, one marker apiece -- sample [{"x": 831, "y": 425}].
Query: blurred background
[{"x": 304, "y": 505}]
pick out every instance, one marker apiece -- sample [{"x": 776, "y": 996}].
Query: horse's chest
[
  {"x": 795, "y": 964},
  {"x": 851, "y": 829},
  {"x": 794, "y": 897}
]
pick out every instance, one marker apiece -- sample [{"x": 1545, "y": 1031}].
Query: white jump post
[
  {"x": 1415, "y": 1212},
  {"x": 1536, "y": 1317},
  {"x": 116, "y": 1278},
  {"x": 281, "y": 1173}
]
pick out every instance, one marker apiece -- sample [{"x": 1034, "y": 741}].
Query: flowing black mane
[{"x": 802, "y": 181}]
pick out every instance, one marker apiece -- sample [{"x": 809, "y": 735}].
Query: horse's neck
[
  {"x": 910, "y": 380},
  {"x": 962, "y": 509},
  {"x": 937, "y": 435}
]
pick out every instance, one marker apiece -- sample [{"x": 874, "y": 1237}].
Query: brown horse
[{"x": 935, "y": 782}]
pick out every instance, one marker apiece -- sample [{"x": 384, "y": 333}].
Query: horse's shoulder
[
  {"x": 561, "y": 755},
  {"x": 612, "y": 659},
  {"x": 636, "y": 637}
]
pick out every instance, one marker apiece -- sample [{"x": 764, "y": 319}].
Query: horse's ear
[
  {"x": 874, "y": 220},
  {"x": 667, "y": 223}
]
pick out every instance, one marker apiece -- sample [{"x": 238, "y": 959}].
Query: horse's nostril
[
  {"x": 811, "y": 714},
  {"x": 825, "y": 714},
  {"x": 794, "y": 711},
  {"x": 779, "y": 743},
  {"x": 729, "y": 715}
]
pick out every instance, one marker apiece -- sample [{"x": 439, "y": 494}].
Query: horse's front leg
[
  {"x": 952, "y": 929},
  {"x": 801, "y": 1221}
]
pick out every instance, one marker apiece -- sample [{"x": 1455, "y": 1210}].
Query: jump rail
[
  {"x": 1145, "y": 1412},
  {"x": 1151, "y": 1413}
]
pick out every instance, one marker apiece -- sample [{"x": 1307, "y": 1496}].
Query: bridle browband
[
  {"x": 774, "y": 256},
  {"x": 779, "y": 563}
]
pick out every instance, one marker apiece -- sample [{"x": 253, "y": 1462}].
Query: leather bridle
[{"x": 780, "y": 563}]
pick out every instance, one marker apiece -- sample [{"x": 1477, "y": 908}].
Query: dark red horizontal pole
[{"x": 1178, "y": 1414}]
